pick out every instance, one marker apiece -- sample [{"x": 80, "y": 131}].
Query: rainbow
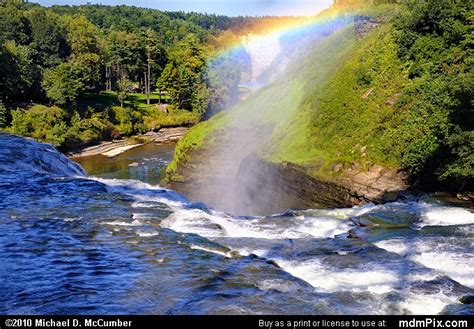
[{"x": 267, "y": 40}]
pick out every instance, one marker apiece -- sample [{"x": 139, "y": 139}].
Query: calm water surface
[{"x": 146, "y": 163}]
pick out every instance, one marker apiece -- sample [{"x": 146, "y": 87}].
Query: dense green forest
[
  {"x": 400, "y": 96},
  {"x": 72, "y": 75},
  {"x": 435, "y": 136}
]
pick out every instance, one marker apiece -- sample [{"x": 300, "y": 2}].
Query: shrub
[
  {"x": 4, "y": 115},
  {"x": 95, "y": 128},
  {"x": 155, "y": 119},
  {"x": 47, "y": 124},
  {"x": 122, "y": 119}
]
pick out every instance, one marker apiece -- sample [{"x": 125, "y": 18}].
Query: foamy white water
[
  {"x": 220, "y": 225},
  {"x": 327, "y": 279},
  {"x": 263, "y": 50},
  {"x": 423, "y": 258},
  {"x": 445, "y": 255},
  {"x": 446, "y": 216}
]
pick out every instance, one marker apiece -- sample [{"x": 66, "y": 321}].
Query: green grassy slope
[
  {"x": 277, "y": 104},
  {"x": 361, "y": 100},
  {"x": 352, "y": 111},
  {"x": 289, "y": 105}
]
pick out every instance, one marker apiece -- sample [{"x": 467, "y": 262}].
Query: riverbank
[{"x": 116, "y": 147}]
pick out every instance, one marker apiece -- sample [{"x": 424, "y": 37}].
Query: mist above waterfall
[
  {"x": 263, "y": 50},
  {"x": 275, "y": 92}
]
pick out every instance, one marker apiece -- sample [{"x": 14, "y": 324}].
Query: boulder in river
[{"x": 467, "y": 299}]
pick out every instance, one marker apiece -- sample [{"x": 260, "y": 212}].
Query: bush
[
  {"x": 460, "y": 171},
  {"x": 126, "y": 121},
  {"x": 55, "y": 126},
  {"x": 94, "y": 129},
  {"x": 4, "y": 115},
  {"x": 122, "y": 119},
  {"x": 47, "y": 124},
  {"x": 156, "y": 119}
]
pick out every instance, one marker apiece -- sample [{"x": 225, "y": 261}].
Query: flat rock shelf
[{"x": 116, "y": 147}]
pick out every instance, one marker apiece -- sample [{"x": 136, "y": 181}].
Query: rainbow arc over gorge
[{"x": 273, "y": 36}]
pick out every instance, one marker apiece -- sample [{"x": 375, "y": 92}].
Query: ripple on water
[{"x": 91, "y": 245}]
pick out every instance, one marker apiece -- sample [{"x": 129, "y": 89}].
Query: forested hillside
[
  {"x": 72, "y": 75},
  {"x": 403, "y": 99},
  {"x": 390, "y": 93}
]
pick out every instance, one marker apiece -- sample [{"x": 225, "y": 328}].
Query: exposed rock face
[
  {"x": 166, "y": 135},
  {"x": 377, "y": 184},
  {"x": 278, "y": 187},
  {"x": 258, "y": 187},
  {"x": 468, "y": 299},
  {"x": 363, "y": 24}
]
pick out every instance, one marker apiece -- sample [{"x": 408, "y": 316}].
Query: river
[
  {"x": 146, "y": 163},
  {"x": 117, "y": 243}
]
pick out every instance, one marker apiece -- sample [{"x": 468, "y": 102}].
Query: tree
[
  {"x": 435, "y": 42},
  {"x": 461, "y": 170},
  {"x": 63, "y": 84},
  {"x": 62, "y": 52},
  {"x": 184, "y": 75},
  {"x": 223, "y": 76},
  {"x": 123, "y": 88},
  {"x": 106, "y": 56},
  {"x": 126, "y": 53},
  {"x": 15, "y": 70},
  {"x": 3, "y": 115},
  {"x": 49, "y": 45},
  {"x": 14, "y": 25},
  {"x": 150, "y": 48},
  {"x": 88, "y": 67},
  {"x": 82, "y": 35},
  {"x": 182, "y": 89}
]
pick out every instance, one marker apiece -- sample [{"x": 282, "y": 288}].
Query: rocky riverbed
[{"x": 116, "y": 147}]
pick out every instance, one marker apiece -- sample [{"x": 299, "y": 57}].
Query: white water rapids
[{"x": 78, "y": 244}]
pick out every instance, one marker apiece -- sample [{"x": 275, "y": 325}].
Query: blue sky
[{"x": 225, "y": 7}]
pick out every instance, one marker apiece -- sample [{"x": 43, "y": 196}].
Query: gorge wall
[{"x": 260, "y": 157}]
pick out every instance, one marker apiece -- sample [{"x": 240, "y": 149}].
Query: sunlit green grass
[
  {"x": 109, "y": 98},
  {"x": 336, "y": 121},
  {"x": 153, "y": 117},
  {"x": 318, "y": 113}
]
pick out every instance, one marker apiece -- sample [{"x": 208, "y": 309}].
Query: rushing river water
[{"x": 77, "y": 244}]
